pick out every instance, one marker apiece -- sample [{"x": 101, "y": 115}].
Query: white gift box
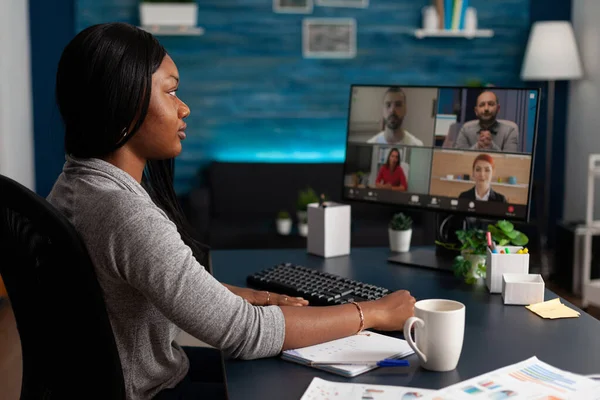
[
  {"x": 522, "y": 289},
  {"x": 498, "y": 264},
  {"x": 328, "y": 229}
]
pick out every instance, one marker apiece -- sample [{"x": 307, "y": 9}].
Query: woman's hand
[
  {"x": 391, "y": 312},
  {"x": 264, "y": 298}
]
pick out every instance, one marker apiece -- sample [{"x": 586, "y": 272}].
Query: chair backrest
[{"x": 67, "y": 341}]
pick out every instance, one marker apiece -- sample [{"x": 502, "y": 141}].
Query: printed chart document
[
  {"x": 320, "y": 389},
  {"x": 366, "y": 346},
  {"x": 531, "y": 379}
]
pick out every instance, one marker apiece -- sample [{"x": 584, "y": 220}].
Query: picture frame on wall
[
  {"x": 329, "y": 37},
  {"x": 293, "y": 6},
  {"x": 343, "y": 3}
]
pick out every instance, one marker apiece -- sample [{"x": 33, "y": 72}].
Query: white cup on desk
[{"x": 439, "y": 333}]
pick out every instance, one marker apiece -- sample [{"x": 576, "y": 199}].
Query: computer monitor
[{"x": 459, "y": 150}]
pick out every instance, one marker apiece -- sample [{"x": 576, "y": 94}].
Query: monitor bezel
[{"x": 475, "y": 214}]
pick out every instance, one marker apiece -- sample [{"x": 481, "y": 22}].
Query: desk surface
[{"x": 495, "y": 335}]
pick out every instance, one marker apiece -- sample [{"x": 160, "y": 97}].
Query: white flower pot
[
  {"x": 169, "y": 14},
  {"x": 303, "y": 229},
  {"x": 284, "y": 226},
  {"x": 400, "y": 240}
]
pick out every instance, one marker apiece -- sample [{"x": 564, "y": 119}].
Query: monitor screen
[{"x": 454, "y": 149}]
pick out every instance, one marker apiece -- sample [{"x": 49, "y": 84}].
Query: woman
[
  {"x": 391, "y": 175},
  {"x": 483, "y": 169},
  {"x": 116, "y": 90}
]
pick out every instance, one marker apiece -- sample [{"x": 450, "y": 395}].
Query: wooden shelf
[
  {"x": 520, "y": 186},
  {"x": 448, "y": 33},
  {"x": 163, "y": 30}
]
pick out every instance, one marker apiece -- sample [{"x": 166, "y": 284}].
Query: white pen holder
[
  {"x": 328, "y": 229},
  {"x": 498, "y": 264}
]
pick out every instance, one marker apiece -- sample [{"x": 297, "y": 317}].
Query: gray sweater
[{"x": 152, "y": 284}]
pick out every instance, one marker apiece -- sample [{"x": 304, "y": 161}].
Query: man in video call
[
  {"x": 487, "y": 132},
  {"x": 394, "y": 110}
]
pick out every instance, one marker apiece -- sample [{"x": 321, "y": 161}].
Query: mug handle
[{"x": 407, "y": 327}]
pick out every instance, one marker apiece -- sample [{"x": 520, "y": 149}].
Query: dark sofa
[{"x": 238, "y": 203}]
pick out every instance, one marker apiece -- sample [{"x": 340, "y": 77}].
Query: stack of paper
[
  {"x": 531, "y": 379},
  {"x": 553, "y": 309},
  {"x": 366, "y": 346}
]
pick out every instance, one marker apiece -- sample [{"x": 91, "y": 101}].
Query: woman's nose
[{"x": 184, "y": 111}]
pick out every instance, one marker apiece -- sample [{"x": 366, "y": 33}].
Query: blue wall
[
  {"x": 48, "y": 38},
  {"x": 253, "y": 96}
]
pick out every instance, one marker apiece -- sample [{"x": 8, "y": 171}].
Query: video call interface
[{"x": 459, "y": 149}]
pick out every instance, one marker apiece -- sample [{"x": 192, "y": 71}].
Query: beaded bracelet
[
  {"x": 362, "y": 317},
  {"x": 268, "y": 297}
]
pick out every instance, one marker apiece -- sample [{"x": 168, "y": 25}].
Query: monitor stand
[
  {"x": 440, "y": 259},
  {"x": 424, "y": 257}
]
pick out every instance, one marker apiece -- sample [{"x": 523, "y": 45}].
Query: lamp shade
[{"x": 551, "y": 53}]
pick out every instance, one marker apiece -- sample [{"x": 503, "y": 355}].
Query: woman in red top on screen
[
  {"x": 483, "y": 169},
  {"x": 390, "y": 174}
]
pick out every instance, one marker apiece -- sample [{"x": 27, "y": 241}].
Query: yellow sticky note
[{"x": 553, "y": 309}]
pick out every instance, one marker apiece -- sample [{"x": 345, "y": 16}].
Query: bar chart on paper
[
  {"x": 536, "y": 373},
  {"x": 529, "y": 379}
]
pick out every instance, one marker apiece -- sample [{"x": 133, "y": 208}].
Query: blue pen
[{"x": 388, "y": 362}]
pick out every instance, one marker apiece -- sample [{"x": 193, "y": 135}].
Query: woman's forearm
[{"x": 306, "y": 326}]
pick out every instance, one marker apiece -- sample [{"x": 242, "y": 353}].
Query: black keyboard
[{"x": 319, "y": 288}]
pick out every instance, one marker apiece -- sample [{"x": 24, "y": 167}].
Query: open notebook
[{"x": 366, "y": 346}]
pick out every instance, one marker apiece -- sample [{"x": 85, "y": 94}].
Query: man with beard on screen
[
  {"x": 394, "y": 110},
  {"x": 487, "y": 132}
]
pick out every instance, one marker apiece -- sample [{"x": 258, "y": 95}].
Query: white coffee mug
[{"x": 439, "y": 333}]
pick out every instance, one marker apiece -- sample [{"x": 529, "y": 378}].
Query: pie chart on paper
[{"x": 411, "y": 395}]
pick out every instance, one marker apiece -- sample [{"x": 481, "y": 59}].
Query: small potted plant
[
  {"x": 400, "y": 232},
  {"x": 284, "y": 223},
  {"x": 303, "y": 226},
  {"x": 305, "y": 197},
  {"x": 181, "y": 13},
  {"x": 360, "y": 178},
  {"x": 470, "y": 264}
]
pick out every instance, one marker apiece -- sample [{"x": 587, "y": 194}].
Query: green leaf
[
  {"x": 481, "y": 270},
  {"x": 471, "y": 243},
  {"x": 520, "y": 240},
  {"x": 497, "y": 234},
  {"x": 512, "y": 234},
  {"x": 449, "y": 246},
  {"x": 505, "y": 226},
  {"x": 471, "y": 280},
  {"x": 461, "y": 266},
  {"x": 503, "y": 242}
]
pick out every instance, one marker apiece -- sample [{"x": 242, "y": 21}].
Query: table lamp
[{"x": 551, "y": 55}]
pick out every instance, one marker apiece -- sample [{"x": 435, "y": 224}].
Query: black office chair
[{"x": 68, "y": 347}]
